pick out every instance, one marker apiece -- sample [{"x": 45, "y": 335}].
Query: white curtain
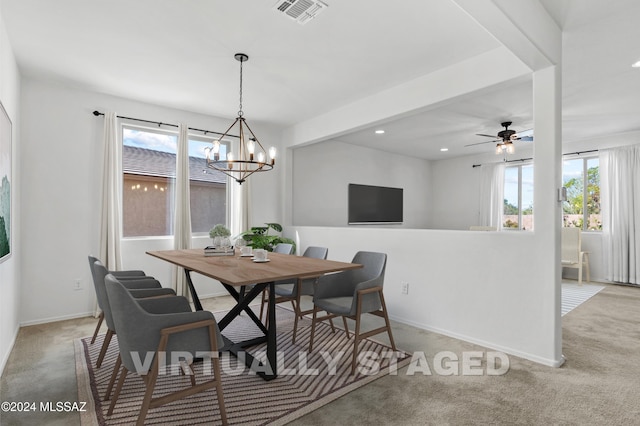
[
  {"x": 491, "y": 195},
  {"x": 182, "y": 218},
  {"x": 111, "y": 209},
  {"x": 238, "y": 206},
  {"x": 620, "y": 206}
]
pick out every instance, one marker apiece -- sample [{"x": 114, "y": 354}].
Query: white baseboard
[
  {"x": 510, "y": 351},
  {"x": 54, "y": 319},
  {"x": 5, "y": 356}
]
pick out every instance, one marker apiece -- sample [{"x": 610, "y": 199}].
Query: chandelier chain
[{"x": 240, "y": 113}]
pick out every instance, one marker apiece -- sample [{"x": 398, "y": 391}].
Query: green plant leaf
[
  {"x": 259, "y": 230},
  {"x": 258, "y": 237},
  {"x": 275, "y": 226}
]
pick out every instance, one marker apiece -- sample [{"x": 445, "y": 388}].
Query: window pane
[
  {"x": 208, "y": 188},
  {"x": 527, "y": 197},
  {"x": 511, "y": 205},
  {"x": 149, "y": 168},
  {"x": 572, "y": 179},
  {"x": 594, "y": 218}
]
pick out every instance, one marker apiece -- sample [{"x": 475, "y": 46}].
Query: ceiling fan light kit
[
  {"x": 505, "y": 139},
  {"x": 506, "y": 146}
]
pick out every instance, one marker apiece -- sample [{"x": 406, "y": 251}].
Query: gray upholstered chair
[
  {"x": 291, "y": 290},
  {"x": 129, "y": 274},
  {"x": 143, "y": 328},
  {"x": 142, "y": 287},
  {"x": 350, "y": 294},
  {"x": 284, "y": 248}
]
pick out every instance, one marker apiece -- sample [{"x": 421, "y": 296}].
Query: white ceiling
[{"x": 180, "y": 54}]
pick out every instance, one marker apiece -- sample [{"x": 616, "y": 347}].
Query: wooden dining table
[{"x": 235, "y": 273}]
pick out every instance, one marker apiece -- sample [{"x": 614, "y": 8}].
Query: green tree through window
[{"x": 574, "y": 212}]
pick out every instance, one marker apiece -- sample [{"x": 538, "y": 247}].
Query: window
[
  {"x": 518, "y": 198},
  {"x": 575, "y": 173},
  {"x": 149, "y": 170},
  {"x": 208, "y": 187}
]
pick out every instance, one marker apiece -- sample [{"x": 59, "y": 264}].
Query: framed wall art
[{"x": 5, "y": 184}]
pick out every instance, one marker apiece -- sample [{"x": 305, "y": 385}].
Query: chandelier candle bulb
[
  {"x": 216, "y": 151},
  {"x": 261, "y": 157},
  {"x": 251, "y": 147},
  {"x": 272, "y": 155}
]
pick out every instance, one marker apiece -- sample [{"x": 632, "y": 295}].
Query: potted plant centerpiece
[
  {"x": 259, "y": 237},
  {"x": 220, "y": 236}
]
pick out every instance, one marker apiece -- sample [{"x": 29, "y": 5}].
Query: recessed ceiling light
[
  {"x": 636, "y": 64},
  {"x": 444, "y": 149},
  {"x": 379, "y": 132}
]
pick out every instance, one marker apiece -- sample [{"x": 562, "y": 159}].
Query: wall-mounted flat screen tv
[{"x": 374, "y": 204}]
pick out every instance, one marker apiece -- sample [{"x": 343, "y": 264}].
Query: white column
[{"x": 547, "y": 169}]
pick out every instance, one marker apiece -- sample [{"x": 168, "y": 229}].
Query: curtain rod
[
  {"x": 159, "y": 123},
  {"x": 527, "y": 159}
]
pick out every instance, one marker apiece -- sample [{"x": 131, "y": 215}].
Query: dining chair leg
[
  {"x": 356, "y": 340},
  {"x": 192, "y": 376},
  {"x": 221, "y": 407},
  {"x": 333, "y": 328},
  {"x": 116, "y": 394},
  {"x": 95, "y": 333},
  {"x": 187, "y": 370},
  {"x": 112, "y": 380},
  {"x": 313, "y": 326},
  {"x": 297, "y": 315},
  {"x": 103, "y": 350},
  {"x": 386, "y": 320},
  {"x": 150, "y": 380},
  {"x": 264, "y": 300},
  {"x": 346, "y": 328}
]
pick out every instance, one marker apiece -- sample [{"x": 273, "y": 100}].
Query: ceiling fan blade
[
  {"x": 524, "y": 138},
  {"x": 480, "y": 143},
  {"x": 488, "y": 136}
]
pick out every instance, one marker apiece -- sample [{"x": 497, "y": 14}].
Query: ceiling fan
[{"x": 507, "y": 136}]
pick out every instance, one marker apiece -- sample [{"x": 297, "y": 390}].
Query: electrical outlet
[
  {"x": 405, "y": 288},
  {"x": 77, "y": 284}
]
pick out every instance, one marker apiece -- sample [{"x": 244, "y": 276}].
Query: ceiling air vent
[{"x": 301, "y": 11}]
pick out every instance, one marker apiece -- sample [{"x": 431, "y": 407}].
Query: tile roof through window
[{"x": 148, "y": 162}]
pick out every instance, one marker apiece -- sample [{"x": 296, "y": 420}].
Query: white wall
[
  {"x": 322, "y": 172},
  {"x": 61, "y": 167},
  {"x": 479, "y": 298},
  {"x": 10, "y": 267}
]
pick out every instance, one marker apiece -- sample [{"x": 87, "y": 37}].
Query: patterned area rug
[
  {"x": 573, "y": 295},
  {"x": 306, "y": 381}
]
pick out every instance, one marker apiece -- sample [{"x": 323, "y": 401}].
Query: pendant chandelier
[{"x": 250, "y": 157}]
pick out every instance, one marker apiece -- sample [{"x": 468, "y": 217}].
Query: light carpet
[
  {"x": 573, "y": 295},
  {"x": 306, "y": 381}
]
